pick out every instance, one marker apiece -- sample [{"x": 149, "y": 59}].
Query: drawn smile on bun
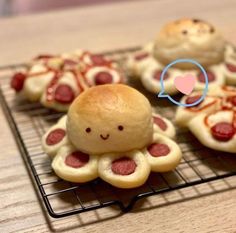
[{"x": 104, "y": 137}]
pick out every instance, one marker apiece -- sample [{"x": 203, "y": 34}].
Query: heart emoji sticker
[{"x": 185, "y": 84}]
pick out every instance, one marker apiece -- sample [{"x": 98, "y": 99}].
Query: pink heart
[{"x": 185, "y": 84}]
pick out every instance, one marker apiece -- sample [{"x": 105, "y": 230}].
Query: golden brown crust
[
  {"x": 189, "y": 38},
  {"x": 103, "y": 109}
]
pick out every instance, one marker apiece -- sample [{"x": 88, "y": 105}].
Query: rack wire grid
[{"x": 29, "y": 121}]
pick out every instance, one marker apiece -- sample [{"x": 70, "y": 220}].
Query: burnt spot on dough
[
  {"x": 196, "y": 20},
  {"x": 212, "y": 29}
]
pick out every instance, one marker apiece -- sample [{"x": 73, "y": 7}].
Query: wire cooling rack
[{"x": 29, "y": 121}]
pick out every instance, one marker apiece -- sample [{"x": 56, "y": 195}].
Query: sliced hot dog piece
[
  {"x": 192, "y": 99},
  {"x": 161, "y": 123},
  {"x": 123, "y": 166},
  {"x": 163, "y": 154},
  {"x": 103, "y": 78},
  {"x": 99, "y": 75},
  {"x": 64, "y": 94},
  {"x": 158, "y": 149},
  {"x": 124, "y": 170},
  {"x": 157, "y": 75},
  {"x": 55, "y": 137},
  {"x": 75, "y": 166},
  {"x": 98, "y": 60},
  {"x": 163, "y": 126},
  {"x": 17, "y": 81},
  {"x": 77, "y": 159},
  {"x": 231, "y": 67},
  {"x": 210, "y": 75},
  {"x": 223, "y": 131}
]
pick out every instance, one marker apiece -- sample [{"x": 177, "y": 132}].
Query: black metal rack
[{"x": 29, "y": 121}]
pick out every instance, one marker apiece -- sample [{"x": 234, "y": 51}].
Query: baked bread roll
[
  {"x": 125, "y": 170},
  {"x": 75, "y": 166},
  {"x": 163, "y": 154},
  {"x": 110, "y": 118},
  {"x": 55, "y": 137},
  {"x": 184, "y": 39},
  {"x": 55, "y": 80},
  {"x": 216, "y": 130},
  {"x": 189, "y": 38}
]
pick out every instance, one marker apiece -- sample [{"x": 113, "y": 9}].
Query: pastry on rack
[
  {"x": 110, "y": 126},
  {"x": 216, "y": 130},
  {"x": 55, "y": 81},
  {"x": 189, "y": 39},
  {"x": 213, "y": 121}
]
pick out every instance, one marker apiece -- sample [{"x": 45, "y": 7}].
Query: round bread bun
[
  {"x": 192, "y": 39},
  {"x": 127, "y": 170},
  {"x": 110, "y": 118},
  {"x": 75, "y": 166}
]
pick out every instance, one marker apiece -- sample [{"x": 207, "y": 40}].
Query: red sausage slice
[
  {"x": 123, "y": 166},
  {"x": 157, "y": 75},
  {"x": 98, "y": 60},
  {"x": 158, "y": 149},
  {"x": 103, "y": 77},
  {"x": 192, "y": 99},
  {"x": 17, "y": 81},
  {"x": 70, "y": 62},
  {"x": 233, "y": 100},
  {"x": 141, "y": 56},
  {"x": 231, "y": 68},
  {"x": 64, "y": 94},
  {"x": 55, "y": 136},
  {"x": 210, "y": 75},
  {"x": 44, "y": 56},
  {"x": 76, "y": 159},
  {"x": 158, "y": 121},
  {"x": 223, "y": 131}
]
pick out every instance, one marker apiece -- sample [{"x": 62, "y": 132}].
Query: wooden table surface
[{"x": 205, "y": 208}]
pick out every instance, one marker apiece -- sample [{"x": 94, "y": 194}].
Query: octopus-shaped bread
[
  {"x": 111, "y": 132},
  {"x": 213, "y": 121},
  {"x": 55, "y": 81},
  {"x": 185, "y": 39}
]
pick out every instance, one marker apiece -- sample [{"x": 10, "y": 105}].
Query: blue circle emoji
[{"x": 162, "y": 93}]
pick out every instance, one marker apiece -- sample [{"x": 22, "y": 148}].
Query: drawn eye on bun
[
  {"x": 88, "y": 130},
  {"x": 120, "y": 127}
]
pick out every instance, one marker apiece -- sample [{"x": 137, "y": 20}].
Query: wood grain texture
[{"x": 205, "y": 208}]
